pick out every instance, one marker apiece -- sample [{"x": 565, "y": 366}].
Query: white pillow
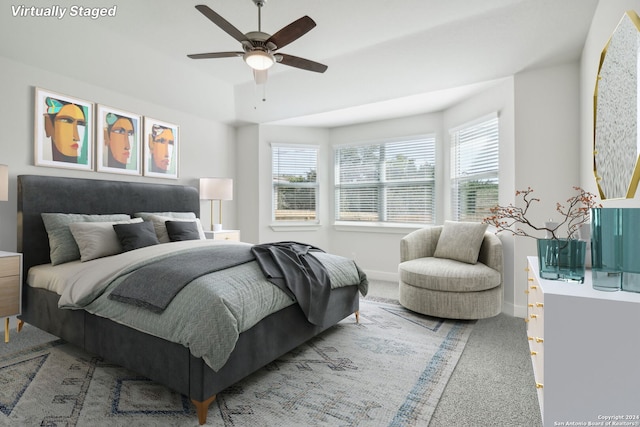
[
  {"x": 460, "y": 241},
  {"x": 97, "y": 239},
  {"x": 161, "y": 229}
]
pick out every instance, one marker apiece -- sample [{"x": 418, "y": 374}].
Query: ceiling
[{"x": 386, "y": 58}]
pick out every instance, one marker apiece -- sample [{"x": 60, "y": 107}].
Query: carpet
[{"x": 388, "y": 370}]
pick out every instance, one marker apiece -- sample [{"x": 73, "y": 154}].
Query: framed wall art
[
  {"x": 118, "y": 141},
  {"x": 63, "y": 131},
  {"x": 161, "y": 142}
]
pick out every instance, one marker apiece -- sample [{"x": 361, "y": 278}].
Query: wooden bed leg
[
  {"x": 6, "y": 330},
  {"x": 202, "y": 408},
  {"x": 20, "y": 323},
  {"x": 357, "y": 313}
]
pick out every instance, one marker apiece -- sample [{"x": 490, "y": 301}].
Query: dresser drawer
[
  {"x": 9, "y": 296},
  {"x": 9, "y": 266}
]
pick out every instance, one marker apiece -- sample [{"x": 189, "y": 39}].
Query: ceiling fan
[{"x": 260, "y": 50}]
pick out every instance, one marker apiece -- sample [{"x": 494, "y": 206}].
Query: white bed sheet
[
  {"x": 52, "y": 278},
  {"x": 57, "y": 278}
]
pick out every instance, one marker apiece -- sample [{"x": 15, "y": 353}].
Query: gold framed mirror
[{"x": 616, "y": 143}]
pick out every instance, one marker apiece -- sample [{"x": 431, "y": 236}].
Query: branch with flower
[{"x": 574, "y": 214}]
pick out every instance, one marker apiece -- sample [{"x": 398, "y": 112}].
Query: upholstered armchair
[{"x": 456, "y": 274}]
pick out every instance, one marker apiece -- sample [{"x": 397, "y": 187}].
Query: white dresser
[{"x": 585, "y": 351}]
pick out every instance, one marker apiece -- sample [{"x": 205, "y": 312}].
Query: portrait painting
[
  {"x": 118, "y": 141},
  {"x": 161, "y": 141},
  {"x": 63, "y": 131}
]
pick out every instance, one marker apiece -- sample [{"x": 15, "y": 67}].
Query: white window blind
[
  {"x": 295, "y": 184},
  {"x": 386, "y": 182},
  {"x": 474, "y": 169}
]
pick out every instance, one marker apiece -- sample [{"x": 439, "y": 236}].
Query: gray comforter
[{"x": 209, "y": 313}]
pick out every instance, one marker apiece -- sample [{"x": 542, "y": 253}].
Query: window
[
  {"x": 474, "y": 169},
  {"x": 390, "y": 181},
  {"x": 295, "y": 184}
]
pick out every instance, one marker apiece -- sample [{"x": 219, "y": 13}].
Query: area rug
[{"x": 388, "y": 370}]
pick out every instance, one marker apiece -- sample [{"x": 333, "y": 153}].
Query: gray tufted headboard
[{"x": 38, "y": 194}]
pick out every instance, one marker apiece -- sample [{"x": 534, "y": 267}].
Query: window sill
[
  {"x": 377, "y": 227},
  {"x": 295, "y": 227}
]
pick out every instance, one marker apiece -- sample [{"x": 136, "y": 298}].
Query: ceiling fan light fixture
[{"x": 259, "y": 60}]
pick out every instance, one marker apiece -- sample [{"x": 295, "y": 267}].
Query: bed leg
[
  {"x": 202, "y": 408},
  {"x": 357, "y": 313},
  {"x": 20, "y": 324}
]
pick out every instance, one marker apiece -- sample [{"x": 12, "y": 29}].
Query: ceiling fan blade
[
  {"x": 305, "y": 64},
  {"x": 215, "y": 55},
  {"x": 292, "y": 32},
  {"x": 222, "y": 23}
]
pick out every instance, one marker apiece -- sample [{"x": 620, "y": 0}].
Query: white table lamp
[{"x": 216, "y": 189}]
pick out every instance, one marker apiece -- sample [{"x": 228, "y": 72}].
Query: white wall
[
  {"x": 247, "y": 183},
  {"x": 206, "y": 145},
  {"x": 547, "y": 146}
]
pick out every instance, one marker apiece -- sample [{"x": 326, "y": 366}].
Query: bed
[{"x": 157, "y": 358}]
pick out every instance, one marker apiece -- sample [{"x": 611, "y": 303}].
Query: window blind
[
  {"x": 391, "y": 181},
  {"x": 295, "y": 184},
  {"x": 474, "y": 169}
]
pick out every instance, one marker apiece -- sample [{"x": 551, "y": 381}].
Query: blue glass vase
[{"x": 562, "y": 259}]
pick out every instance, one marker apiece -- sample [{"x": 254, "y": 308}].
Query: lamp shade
[
  {"x": 259, "y": 60},
  {"x": 4, "y": 182},
  {"x": 216, "y": 189}
]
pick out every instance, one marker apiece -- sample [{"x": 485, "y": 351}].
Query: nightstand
[
  {"x": 223, "y": 235},
  {"x": 10, "y": 288}
]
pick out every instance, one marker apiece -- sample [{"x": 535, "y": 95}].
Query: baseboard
[
  {"x": 514, "y": 310},
  {"x": 382, "y": 275}
]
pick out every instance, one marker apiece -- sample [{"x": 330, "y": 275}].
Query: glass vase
[
  {"x": 562, "y": 259},
  {"x": 615, "y": 247}
]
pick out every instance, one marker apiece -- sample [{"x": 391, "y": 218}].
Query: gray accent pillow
[
  {"x": 136, "y": 235},
  {"x": 460, "y": 241},
  {"x": 182, "y": 230},
  {"x": 62, "y": 245},
  {"x": 97, "y": 239},
  {"x": 159, "y": 218}
]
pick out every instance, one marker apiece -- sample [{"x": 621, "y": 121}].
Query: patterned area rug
[{"x": 389, "y": 370}]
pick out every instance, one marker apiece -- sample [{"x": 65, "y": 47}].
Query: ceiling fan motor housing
[{"x": 258, "y": 41}]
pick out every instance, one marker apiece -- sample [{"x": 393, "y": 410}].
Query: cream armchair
[{"x": 450, "y": 288}]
